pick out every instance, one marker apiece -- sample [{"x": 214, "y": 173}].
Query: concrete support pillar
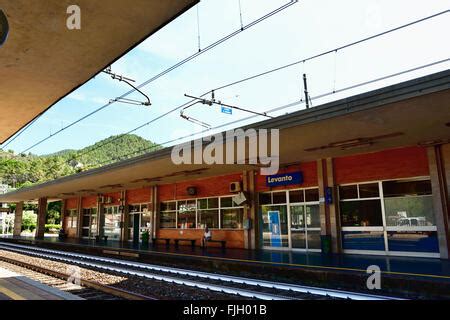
[
  {"x": 323, "y": 208},
  {"x": 79, "y": 218},
  {"x": 246, "y": 208},
  {"x": 445, "y": 151},
  {"x": 329, "y": 216},
  {"x": 155, "y": 210},
  {"x": 125, "y": 214},
  {"x": 253, "y": 201},
  {"x": 63, "y": 215},
  {"x": 333, "y": 210},
  {"x": 42, "y": 213},
  {"x": 436, "y": 162},
  {"x": 18, "y": 219},
  {"x": 101, "y": 219}
]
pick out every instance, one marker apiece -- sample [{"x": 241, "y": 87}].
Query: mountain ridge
[{"x": 18, "y": 171}]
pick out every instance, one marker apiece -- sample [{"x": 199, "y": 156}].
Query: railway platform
[
  {"x": 414, "y": 277},
  {"x": 14, "y": 286}
]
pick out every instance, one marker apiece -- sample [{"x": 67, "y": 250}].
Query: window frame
[
  {"x": 140, "y": 212},
  {"x": 288, "y": 205},
  {"x": 71, "y": 214},
  {"x": 385, "y": 228},
  {"x": 197, "y": 221}
]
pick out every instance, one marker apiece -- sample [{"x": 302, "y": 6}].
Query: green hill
[{"x": 25, "y": 170}]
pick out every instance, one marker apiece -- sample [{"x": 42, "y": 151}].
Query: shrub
[{"x": 52, "y": 228}]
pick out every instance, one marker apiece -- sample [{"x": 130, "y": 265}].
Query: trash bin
[{"x": 325, "y": 244}]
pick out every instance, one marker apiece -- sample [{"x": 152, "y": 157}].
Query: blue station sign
[
  {"x": 227, "y": 110},
  {"x": 284, "y": 179}
]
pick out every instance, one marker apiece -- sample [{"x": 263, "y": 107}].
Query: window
[
  {"x": 369, "y": 190},
  {"x": 186, "y": 214},
  {"x": 168, "y": 215},
  {"x": 401, "y": 188},
  {"x": 296, "y": 196},
  {"x": 231, "y": 215},
  {"x": 208, "y": 212},
  {"x": 358, "y": 208},
  {"x": 72, "y": 218},
  {"x": 215, "y": 212},
  {"x": 361, "y": 213},
  {"x": 111, "y": 226},
  {"x": 232, "y": 218},
  {"x": 279, "y": 197},
  {"x": 395, "y": 215},
  {"x": 311, "y": 195},
  {"x": 265, "y": 198}
]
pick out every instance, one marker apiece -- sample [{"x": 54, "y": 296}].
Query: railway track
[
  {"x": 245, "y": 287},
  {"x": 87, "y": 290}
]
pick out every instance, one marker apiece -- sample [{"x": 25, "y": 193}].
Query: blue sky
[{"x": 304, "y": 29}]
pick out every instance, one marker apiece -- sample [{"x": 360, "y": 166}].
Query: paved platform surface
[{"x": 14, "y": 286}]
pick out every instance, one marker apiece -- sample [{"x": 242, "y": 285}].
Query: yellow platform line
[{"x": 11, "y": 294}]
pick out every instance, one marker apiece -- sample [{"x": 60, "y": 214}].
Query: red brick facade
[
  {"x": 388, "y": 164},
  {"x": 383, "y": 165}
]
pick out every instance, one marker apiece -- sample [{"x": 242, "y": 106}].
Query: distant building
[{"x": 6, "y": 219}]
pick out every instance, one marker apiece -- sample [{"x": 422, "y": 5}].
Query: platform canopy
[
  {"x": 42, "y": 60},
  {"x": 412, "y": 113}
]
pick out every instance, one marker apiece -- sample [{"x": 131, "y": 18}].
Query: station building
[{"x": 368, "y": 174}]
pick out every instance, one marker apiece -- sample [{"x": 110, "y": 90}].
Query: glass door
[
  {"x": 312, "y": 220},
  {"x": 86, "y": 223},
  {"x": 291, "y": 219},
  {"x": 89, "y": 227},
  {"x": 111, "y": 227},
  {"x": 298, "y": 229},
  {"x": 305, "y": 227}
]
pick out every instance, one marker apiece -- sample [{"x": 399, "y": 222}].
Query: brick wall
[
  {"x": 383, "y": 165},
  {"x": 89, "y": 202},
  {"x": 71, "y": 203},
  {"x": 142, "y": 195},
  {"x": 209, "y": 187}
]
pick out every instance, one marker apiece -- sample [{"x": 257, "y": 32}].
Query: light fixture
[{"x": 4, "y": 28}]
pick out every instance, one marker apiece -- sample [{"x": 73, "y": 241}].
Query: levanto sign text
[{"x": 284, "y": 179}]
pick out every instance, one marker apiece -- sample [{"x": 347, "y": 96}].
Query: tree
[
  {"x": 54, "y": 212},
  {"x": 29, "y": 220}
]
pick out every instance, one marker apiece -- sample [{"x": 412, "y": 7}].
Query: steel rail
[
  {"x": 169, "y": 279},
  {"x": 217, "y": 277},
  {"x": 86, "y": 283}
]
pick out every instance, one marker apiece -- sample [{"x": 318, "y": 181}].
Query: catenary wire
[
  {"x": 286, "y": 66},
  {"x": 292, "y": 104},
  {"x": 177, "y": 65}
]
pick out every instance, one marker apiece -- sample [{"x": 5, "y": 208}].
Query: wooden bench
[
  {"x": 192, "y": 241},
  {"x": 167, "y": 240},
  {"x": 222, "y": 242}
]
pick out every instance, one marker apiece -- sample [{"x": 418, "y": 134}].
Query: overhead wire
[
  {"x": 290, "y": 105},
  {"x": 293, "y": 64},
  {"x": 331, "y": 51},
  {"x": 20, "y": 132},
  {"x": 166, "y": 71}
]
